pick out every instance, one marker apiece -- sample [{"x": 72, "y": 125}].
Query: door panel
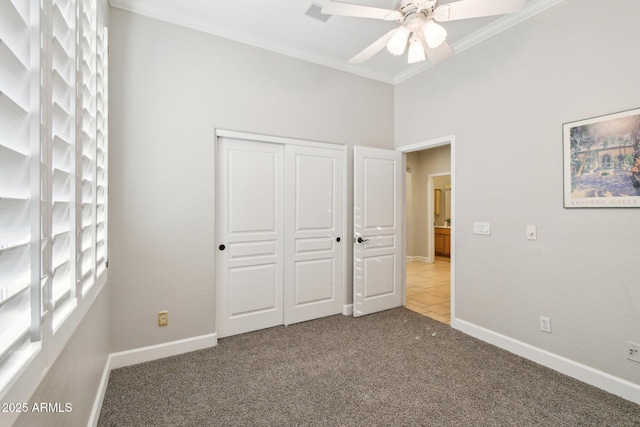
[
  {"x": 314, "y": 222},
  {"x": 249, "y": 271},
  {"x": 253, "y": 289},
  {"x": 314, "y": 281},
  {"x": 378, "y": 265}
]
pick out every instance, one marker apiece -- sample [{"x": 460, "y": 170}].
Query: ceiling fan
[{"x": 419, "y": 28}]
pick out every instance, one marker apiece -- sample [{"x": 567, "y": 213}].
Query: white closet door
[
  {"x": 377, "y": 226},
  {"x": 249, "y": 236},
  {"x": 314, "y": 233}
]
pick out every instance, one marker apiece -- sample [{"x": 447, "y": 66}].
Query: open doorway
[{"x": 429, "y": 219}]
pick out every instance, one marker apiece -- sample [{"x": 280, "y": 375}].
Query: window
[
  {"x": 62, "y": 153},
  {"x": 101, "y": 147},
  {"x": 53, "y": 176},
  {"x": 87, "y": 145},
  {"x": 19, "y": 181}
]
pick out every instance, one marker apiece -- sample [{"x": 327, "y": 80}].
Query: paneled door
[
  {"x": 313, "y": 229},
  {"x": 377, "y": 225},
  {"x": 280, "y": 223},
  {"x": 249, "y": 267}
]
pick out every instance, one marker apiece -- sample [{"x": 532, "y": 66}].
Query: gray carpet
[{"x": 395, "y": 368}]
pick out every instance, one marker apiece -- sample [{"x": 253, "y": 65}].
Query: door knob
[
  {"x": 361, "y": 240},
  {"x": 222, "y": 247},
  {"x": 338, "y": 239}
]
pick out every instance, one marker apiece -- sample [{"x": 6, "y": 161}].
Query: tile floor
[{"x": 429, "y": 289}]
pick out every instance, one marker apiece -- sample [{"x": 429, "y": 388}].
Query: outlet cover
[
  {"x": 545, "y": 324},
  {"x": 633, "y": 352},
  {"x": 163, "y": 318}
]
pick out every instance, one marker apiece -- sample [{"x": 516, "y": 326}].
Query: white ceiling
[{"x": 282, "y": 26}]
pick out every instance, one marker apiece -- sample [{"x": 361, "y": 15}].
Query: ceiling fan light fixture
[
  {"x": 398, "y": 42},
  {"x": 416, "y": 51},
  {"x": 434, "y": 33}
]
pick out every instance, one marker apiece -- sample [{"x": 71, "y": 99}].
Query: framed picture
[{"x": 602, "y": 161}]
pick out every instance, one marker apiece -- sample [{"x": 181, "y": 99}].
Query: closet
[{"x": 280, "y": 230}]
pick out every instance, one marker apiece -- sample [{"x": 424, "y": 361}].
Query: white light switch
[
  {"x": 482, "y": 228},
  {"x": 532, "y": 233}
]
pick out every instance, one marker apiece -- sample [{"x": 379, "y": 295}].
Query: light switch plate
[
  {"x": 482, "y": 228},
  {"x": 532, "y": 232}
]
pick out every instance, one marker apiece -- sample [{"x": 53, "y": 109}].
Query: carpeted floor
[{"x": 395, "y": 368}]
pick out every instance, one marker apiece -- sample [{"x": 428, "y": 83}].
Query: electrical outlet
[
  {"x": 633, "y": 352},
  {"x": 163, "y": 318},
  {"x": 545, "y": 324}
]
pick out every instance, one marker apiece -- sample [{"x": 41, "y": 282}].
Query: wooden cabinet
[{"x": 442, "y": 239}]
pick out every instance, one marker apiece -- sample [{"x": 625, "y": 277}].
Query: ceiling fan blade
[
  {"x": 439, "y": 54},
  {"x": 465, "y": 9},
  {"x": 375, "y": 47},
  {"x": 358, "y": 11}
]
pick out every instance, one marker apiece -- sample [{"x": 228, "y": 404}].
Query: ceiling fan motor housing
[
  {"x": 415, "y": 12},
  {"x": 408, "y": 7}
]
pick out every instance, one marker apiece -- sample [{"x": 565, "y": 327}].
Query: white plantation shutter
[
  {"x": 53, "y": 178},
  {"x": 20, "y": 277},
  {"x": 87, "y": 148},
  {"x": 62, "y": 152},
  {"x": 102, "y": 146}
]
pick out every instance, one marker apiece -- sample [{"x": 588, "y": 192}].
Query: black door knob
[
  {"x": 338, "y": 239},
  {"x": 361, "y": 240},
  {"x": 222, "y": 247}
]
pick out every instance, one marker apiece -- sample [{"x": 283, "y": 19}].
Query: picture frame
[{"x": 602, "y": 161}]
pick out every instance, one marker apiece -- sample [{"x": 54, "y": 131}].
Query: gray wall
[
  {"x": 422, "y": 163},
  {"x": 170, "y": 87},
  {"x": 505, "y": 101},
  {"x": 75, "y": 376}
]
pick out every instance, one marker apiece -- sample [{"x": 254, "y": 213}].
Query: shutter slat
[
  {"x": 15, "y": 221},
  {"x": 14, "y": 174}
]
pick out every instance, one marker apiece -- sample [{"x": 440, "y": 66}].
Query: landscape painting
[{"x": 602, "y": 161}]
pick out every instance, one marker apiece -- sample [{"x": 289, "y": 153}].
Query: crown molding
[
  {"x": 152, "y": 9},
  {"x": 162, "y": 11},
  {"x": 485, "y": 33}
]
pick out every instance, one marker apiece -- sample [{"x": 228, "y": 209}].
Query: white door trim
[
  {"x": 217, "y": 133},
  {"x": 277, "y": 139},
  {"x": 433, "y": 143}
]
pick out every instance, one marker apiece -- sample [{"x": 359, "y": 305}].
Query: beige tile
[
  {"x": 428, "y": 274},
  {"x": 414, "y": 301},
  {"x": 411, "y": 280},
  {"x": 443, "y": 290},
  {"x": 429, "y": 298},
  {"x": 439, "y": 317},
  {"x": 429, "y": 289},
  {"x": 441, "y": 309},
  {"x": 416, "y": 308}
]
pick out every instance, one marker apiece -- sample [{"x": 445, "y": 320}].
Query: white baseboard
[
  {"x": 347, "y": 309},
  {"x": 102, "y": 390},
  {"x": 418, "y": 259},
  {"x": 146, "y": 354},
  {"x": 612, "y": 384}
]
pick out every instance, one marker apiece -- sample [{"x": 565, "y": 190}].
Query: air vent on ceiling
[{"x": 314, "y": 11}]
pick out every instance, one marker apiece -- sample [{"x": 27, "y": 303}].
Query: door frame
[
  {"x": 218, "y": 133},
  {"x": 433, "y": 143}
]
